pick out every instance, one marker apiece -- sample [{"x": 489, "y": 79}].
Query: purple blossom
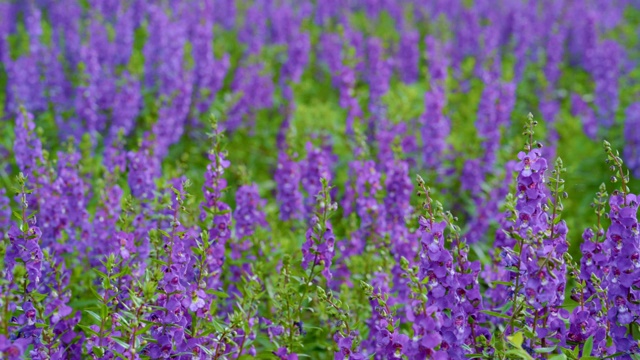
[
  {"x": 581, "y": 108},
  {"x": 249, "y": 213},
  {"x": 555, "y": 52},
  {"x": 632, "y": 138},
  {"x": 435, "y": 129},
  {"x": 287, "y": 176},
  {"x": 209, "y": 71},
  {"x": 606, "y": 70},
  {"x": 407, "y": 59},
  {"x": 318, "y": 249},
  {"x": 24, "y": 245},
  {"x": 141, "y": 174},
  {"x": 27, "y": 146},
  {"x": 622, "y": 234},
  {"x": 316, "y": 166},
  {"x": 345, "y": 347},
  {"x": 378, "y": 71},
  {"x": 127, "y": 102},
  {"x": 254, "y": 91}
]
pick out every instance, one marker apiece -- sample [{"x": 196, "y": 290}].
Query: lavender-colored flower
[
  {"x": 24, "y": 87},
  {"x": 384, "y": 339},
  {"x": 5, "y": 213},
  {"x": 632, "y": 138},
  {"x": 27, "y": 146},
  {"x": 141, "y": 174},
  {"x": 555, "y": 52},
  {"x": 25, "y": 245},
  {"x": 255, "y": 91},
  {"x": 407, "y": 59},
  {"x": 345, "y": 345},
  {"x": 623, "y": 242},
  {"x": 435, "y": 129},
  {"x": 287, "y": 176},
  {"x": 397, "y": 202},
  {"x": 581, "y": 108},
  {"x": 523, "y": 38},
  {"x": 210, "y": 72},
  {"x": 316, "y": 166},
  {"x": 437, "y": 63},
  {"x": 378, "y": 73},
  {"x": 605, "y": 69},
  {"x": 249, "y": 213},
  {"x": 13, "y": 349},
  {"x": 506, "y": 103},
  {"x": 127, "y": 102},
  {"x": 87, "y": 95},
  {"x": 318, "y": 249},
  {"x": 348, "y": 101}
]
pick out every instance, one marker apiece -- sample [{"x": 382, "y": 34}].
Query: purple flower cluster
[
  {"x": 632, "y": 138},
  {"x": 287, "y": 175}
]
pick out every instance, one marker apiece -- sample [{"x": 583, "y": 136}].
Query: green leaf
[
  {"x": 88, "y": 329},
  {"x": 516, "y": 339},
  {"x": 521, "y": 354},
  {"x": 219, "y": 294},
  {"x": 506, "y": 283},
  {"x": 614, "y": 355},
  {"x": 558, "y": 357},
  {"x": 569, "y": 353},
  {"x": 588, "y": 346},
  {"x": 120, "y": 342},
  {"x": 500, "y": 315},
  {"x": 545, "y": 350},
  {"x": 94, "y": 315}
]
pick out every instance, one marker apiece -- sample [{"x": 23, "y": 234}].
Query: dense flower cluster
[{"x": 294, "y": 230}]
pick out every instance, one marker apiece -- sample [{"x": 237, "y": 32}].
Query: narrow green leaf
[
  {"x": 521, "y": 354},
  {"x": 545, "y": 350},
  {"x": 94, "y": 315},
  {"x": 588, "y": 347},
  {"x": 497, "y": 314}
]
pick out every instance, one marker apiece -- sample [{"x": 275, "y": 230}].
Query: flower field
[{"x": 317, "y": 179}]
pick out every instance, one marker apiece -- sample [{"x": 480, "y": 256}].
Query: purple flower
[
  {"x": 249, "y": 216},
  {"x": 316, "y": 166},
  {"x": 606, "y": 71},
  {"x": 345, "y": 347},
  {"x": 378, "y": 73},
  {"x": 141, "y": 174},
  {"x": 632, "y": 138},
  {"x": 581, "y": 108},
  {"x": 407, "y": 60},
  {"x": 318, "y": 249},
  {"x": 435, "y": 129},
  {"x": 287, "y": 176}
]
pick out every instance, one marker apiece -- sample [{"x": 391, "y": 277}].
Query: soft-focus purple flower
[
  {"x": 378, "y": 73},
  {"x": 287, "y": 176},
  {"x": 345, "y": 347},
  {"x": 316, "y": 166},
  {"x": 249, "y": 213},
  {"x": 606, "y": 70},
  {"x": 318, "y": 248},
  {"x": 435, "y": 129},
  {"x": 407, "y": 59},
  {"x": 27, "y": 147},
  {"x": 254, "y": 90},
  {"x": 632, "y": 138},
  {"x": 581, "y": 108}
]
